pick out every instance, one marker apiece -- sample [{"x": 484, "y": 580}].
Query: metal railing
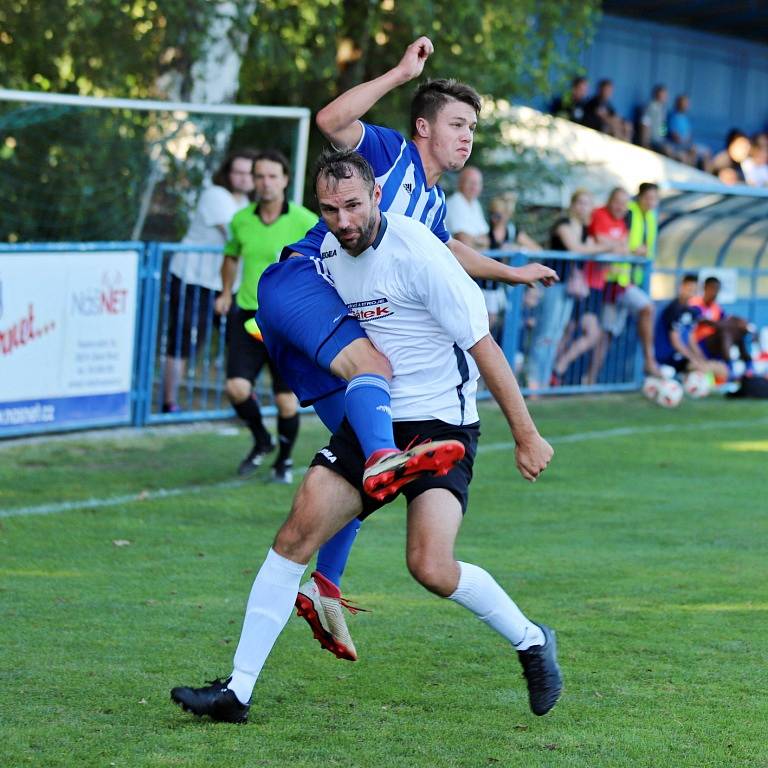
[{"x": 520, "y": 314}]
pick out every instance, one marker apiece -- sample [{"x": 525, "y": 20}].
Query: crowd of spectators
[
  {"x": 578, "y": 318},
  {"x": 743, "y": 159}
]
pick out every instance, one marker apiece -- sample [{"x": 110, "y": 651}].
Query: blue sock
[
  {"x": 366, "y": 404},
  {"x": 333, "y": 555}
]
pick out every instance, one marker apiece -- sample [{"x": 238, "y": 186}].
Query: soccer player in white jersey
[
  {"x": 429, "y": 318},
  {"x": 444, "y": 115}
]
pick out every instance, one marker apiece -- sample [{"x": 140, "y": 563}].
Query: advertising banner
[{"x": 67, "y": 335}]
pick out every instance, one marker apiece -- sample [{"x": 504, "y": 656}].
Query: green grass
[{"x": 646, "y": 551}]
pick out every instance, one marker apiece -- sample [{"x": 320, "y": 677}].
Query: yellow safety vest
[{"x": 643, "y": 228}]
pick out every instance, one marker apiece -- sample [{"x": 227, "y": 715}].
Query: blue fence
[{"x": 518, "y": 314}]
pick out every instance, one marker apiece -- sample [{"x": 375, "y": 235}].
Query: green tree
[
  {"x": 306, "y": 52},
  {"x": 100, "y": 47},
  {"x": 83, "y": 174},
  {"x": 299, "y": 52}
]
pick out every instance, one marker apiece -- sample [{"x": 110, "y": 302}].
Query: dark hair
[
  {"x": 711, "y": 281},
  {"x": 338, "y": 164},
  {"x": 658, "y": 88},
  {"x": 680, "y": 99},
  {"x": 732, "y": 135},
  {"x": 430, "y": 97},
  {"x": 647, "y": 186},
  {"x": 602, "y": 83},
  {"x": 578, "y": 80},
  {"x": 274, "y": 156},
  {"x": 221, "y": 177},
  {"x": 690, "y": 277}
]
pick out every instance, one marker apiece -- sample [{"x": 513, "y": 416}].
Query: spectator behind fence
[
  {"x": 571, "y": 105},
  {"x": 680, "y": 135},
  {"x": 259, "y": 233},
  {"x": 653, "y": 123},
  {"x": 610, "y": 231},
  {"x": 624, "y": 294},
  {"x": 673, "y": 336},
  {"x": 502, "y": 234},
  {"x": 716, "y": 332},
  {"x": 196, "y": 277},
  {"x": 555, "y": 307},
  {"x": 600, "y": 114},
  {"x": 464, "y": 217},
  {"x": 465, "y": 220},
  {"x": 573, "y": 234},
  {"x": 755, "y": 167},
  {"x": 727, "y": 164}
]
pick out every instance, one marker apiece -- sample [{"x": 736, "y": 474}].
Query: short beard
[{"x": 366, "y": 237}]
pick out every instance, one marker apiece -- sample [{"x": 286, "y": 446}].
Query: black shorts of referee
[
  {"x": 246, "y": 356},
  {"x": 189, "y": 306},
  {"x": 344, "y": 456}
]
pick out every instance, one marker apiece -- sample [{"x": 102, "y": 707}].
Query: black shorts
[
  {"x": 188, "y": 310},
  {"x": 246, "y": 356},
  {"x": 344, "y": 456}
]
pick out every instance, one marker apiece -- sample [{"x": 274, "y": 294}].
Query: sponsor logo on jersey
[
  {"x": 375, "y": 309},
  {"x": 408, "y": 187},
  {"x": 328, "y": 254},
  {"x": 328, "y": 455}
]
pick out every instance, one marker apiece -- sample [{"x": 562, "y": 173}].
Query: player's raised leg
[
  {"x": 320, "y": 349},
  {"x": 367, "y": 408}
]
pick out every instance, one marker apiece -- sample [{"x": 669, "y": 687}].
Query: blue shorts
[{"x": 305, "y": 324}]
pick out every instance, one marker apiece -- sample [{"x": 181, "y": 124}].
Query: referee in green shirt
[{"x": 258, "y": 234}]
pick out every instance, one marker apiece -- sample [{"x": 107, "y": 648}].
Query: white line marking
[
  {"x": 164, "y": 493},
  {"x": 580, "y": 437}
]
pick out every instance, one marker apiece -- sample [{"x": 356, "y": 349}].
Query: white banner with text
[{"x": 67, "y": 337}]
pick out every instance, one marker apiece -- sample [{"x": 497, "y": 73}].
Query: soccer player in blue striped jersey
[{"x": 307, "y": 327}]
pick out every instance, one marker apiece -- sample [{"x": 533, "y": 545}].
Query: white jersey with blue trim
[
  {"x": 399, "y": 171},
  {"x": 421, "y": 310}
]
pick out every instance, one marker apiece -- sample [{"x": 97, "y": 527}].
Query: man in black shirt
[
  {"x": 571, "y": 105},
  {"x": 600, "y": 114}
]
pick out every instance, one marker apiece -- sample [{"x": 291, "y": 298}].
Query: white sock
[
  {"x": 479, "y": 593},
  {"x": 269, "y": 607}
]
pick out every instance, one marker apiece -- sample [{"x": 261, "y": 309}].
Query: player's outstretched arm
[
  {"x": 338, "y": 121},
  {"x": 532, "y": 452},
  {"x": 485, "y": 268}
]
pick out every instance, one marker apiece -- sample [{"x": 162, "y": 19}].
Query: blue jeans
[{"x": 552, "y": 316}]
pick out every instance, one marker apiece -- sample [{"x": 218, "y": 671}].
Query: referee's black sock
[
  {"x": 287, "y": 430},
  {"x": 250, "y": 413}
]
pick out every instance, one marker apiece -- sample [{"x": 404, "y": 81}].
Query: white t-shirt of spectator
[
  {"x": 465, "y": 216},
  {"x": 755, "y": 174},
  {"x": 421, "y": 310},
  {"x": 215, "y": 209}
]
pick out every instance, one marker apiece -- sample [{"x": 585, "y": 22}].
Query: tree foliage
[
  {"x": 306, "y": 52},
  {"x": 299, "y": 52},
  {"x": 100, "y": 47}
]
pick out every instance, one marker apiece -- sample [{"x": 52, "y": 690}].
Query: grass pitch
[{"x": 125, "y": 562}]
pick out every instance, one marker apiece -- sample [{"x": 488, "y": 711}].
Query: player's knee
[
  {"x": 359, "y": 357},
  {"x": 237, "y": 390},
  {"x": 432, "y": 573},
  {"x": 287, "y": 404},
  {"x": 293, "y": 542}
]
